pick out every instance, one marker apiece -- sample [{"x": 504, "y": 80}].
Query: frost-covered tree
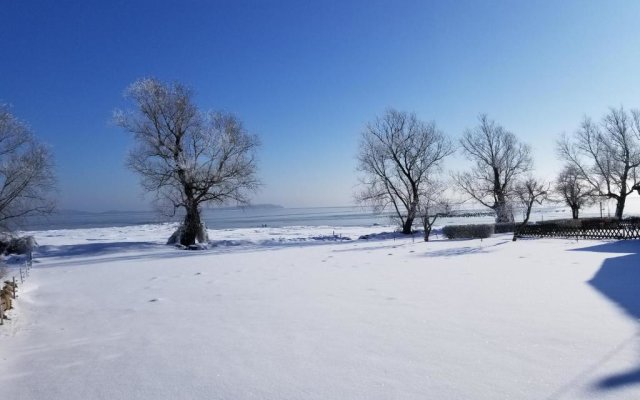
[
  {"x": 573, "y": 189},
  {"x": 186, "y": 157},
  {"x": 607, "y": 154},
  {"x": 527, "y": 193},
  {"x": 433, "y": 205},
  {"x": 399, "y": 155},
  {"x": 26, "y": 172},
  {"x": 499, "y": 160}
]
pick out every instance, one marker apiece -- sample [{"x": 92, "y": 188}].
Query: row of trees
[
  {"x": 188, "y": 158},
  {"x": 401, "y": 161}
]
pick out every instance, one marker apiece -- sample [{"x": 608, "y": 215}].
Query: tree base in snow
[{"x": 202, "y": 238}]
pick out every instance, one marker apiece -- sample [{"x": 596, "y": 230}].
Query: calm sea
[
  {"x": 215, "y": 218},
  {"x": 228, "y": 218}
]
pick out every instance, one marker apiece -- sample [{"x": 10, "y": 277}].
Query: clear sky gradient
[{"x": 306, "y": 76}]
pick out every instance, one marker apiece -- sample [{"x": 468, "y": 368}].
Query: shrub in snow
[
  {"x": 17, "y": 245},
  {"x": 468, "y": 231},
  {"x": 504, "y": 227},
  {"x": 22, "y": 245},
  {"x": 5, "y": 240},
  {"x": 584, "y": 223}
]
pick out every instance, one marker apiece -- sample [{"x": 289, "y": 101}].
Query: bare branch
[
  {"x": 500, "y": 159},
  {"x": 26, "y": 172},
  {"x": 398, "y": 156},
  {"x": 607, "y": 155},
  {"x": 186, "y": 157}
]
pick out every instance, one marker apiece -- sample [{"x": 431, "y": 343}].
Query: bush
[
  {"x": 16, "y": 245},
  {"x": 468, "y": 231},
  {"x": 504, "y": 227},
  {"x": 585, "y": 223},
  {"x": 21, "y": 245}
]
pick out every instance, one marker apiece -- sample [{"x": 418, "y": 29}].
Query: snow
[{"x": 299, "y": 313}]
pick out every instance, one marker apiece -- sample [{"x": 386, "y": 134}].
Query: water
[
  {"x": 251, "y": 217},
  {"x": 226, "y": 218}
]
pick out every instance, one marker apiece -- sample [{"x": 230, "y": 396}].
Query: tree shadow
[
  {"x": 93, "y": 249},
  {"x": 456, "y": 251},
  {"x": 96, "y": 253},
  {"x": 459, "y": 251},
  {"x": 618, "y": 279}
]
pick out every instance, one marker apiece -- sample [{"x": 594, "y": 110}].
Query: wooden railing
[
  {"x": 8, "y": 291},
  {"x": 584, "y": 229}
]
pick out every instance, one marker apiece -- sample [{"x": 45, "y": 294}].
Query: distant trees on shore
[
  {"x": 602, "y": 161},
  {"x": 401, "y": 160},
  {"x": 574, "y": 190},
  {"x": 187, "y": 157},
  {"x": 605, "y": 155}
]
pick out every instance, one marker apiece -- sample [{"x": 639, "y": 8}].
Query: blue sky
[{"x": 307, "y": 76}]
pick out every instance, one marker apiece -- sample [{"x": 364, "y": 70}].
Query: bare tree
[
  {"x": 186, "y": 157},
  {"x": 399, "y": 155},
  {"x": 607, "y": 155},
  {"x": 500, "y": 159},
  {"x": 574, "y": 190},
  {"x": 527, "y": 193},
  {"x": 26, "y": 172},
  {"x": 433, "y": 205}
]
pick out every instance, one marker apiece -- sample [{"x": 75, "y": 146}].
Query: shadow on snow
[
  {"x": 92, "y": 249},
  {"x": 618, "y": 279}
]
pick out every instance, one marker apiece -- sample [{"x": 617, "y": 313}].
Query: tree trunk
[
  {"x": 574, "y": 212},
  {"x": 503, "y": 212},
  {"x": 411, "y": 216},
  {"x": 527, "y": 214},
  {"x": 620, "y": 207},
  {"x": 191, "y": 226},
  {"x": 427, "y": 224},
  {"x": 408, "y": 224}
]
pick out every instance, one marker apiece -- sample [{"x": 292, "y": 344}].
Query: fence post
[
  {"x": 1, "y": 313},
  {"x": 14, "y": 287}
]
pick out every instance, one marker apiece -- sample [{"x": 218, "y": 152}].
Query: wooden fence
[
  {"x": 8, "y": 291},
  {"x": 584, "y": 229}
]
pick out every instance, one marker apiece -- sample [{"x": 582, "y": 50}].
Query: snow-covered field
[{"x": 299, "y": 313}]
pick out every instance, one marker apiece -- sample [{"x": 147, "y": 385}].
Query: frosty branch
[
  {"x": 399, "y": 155},
  {"x": 187, "y": 157}
]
